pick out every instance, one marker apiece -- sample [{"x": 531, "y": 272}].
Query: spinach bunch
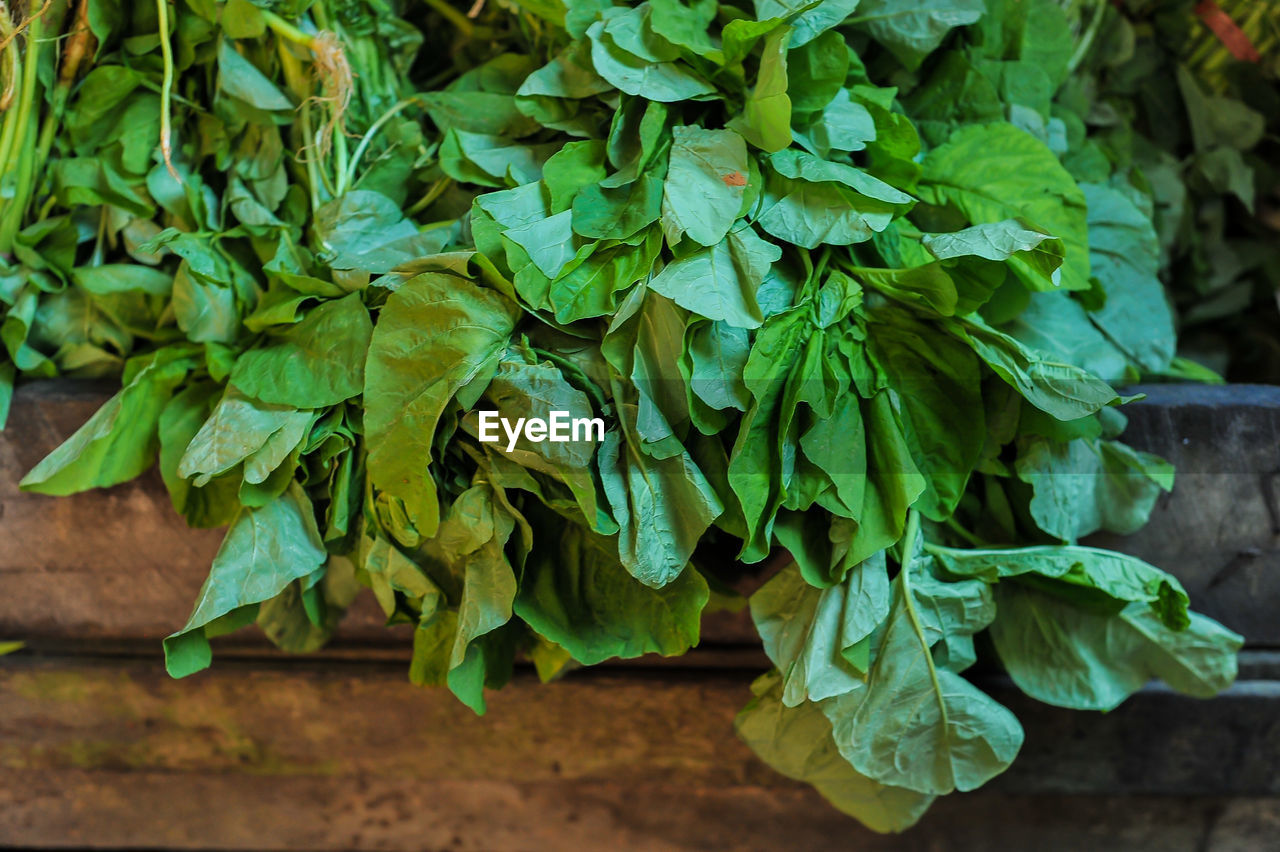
[
  {"x": 832, "y": 275},
  {"x": 1184, "y": 99}
]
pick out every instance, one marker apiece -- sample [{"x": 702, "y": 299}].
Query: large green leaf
[
  {"x": 1066, "y": 655},
  {"x": 317, "y": 362},
  {"x": 995, "y": 172},
  {"x": 1125, "y": 258},
  {"x": 919, "y": 724},
  {"x": 264, "y": 551},
  {"x": 796, "y": 741},
  {"x": 1084, "y": 486},
  {"x": 435, "y": 335},
  {"x": 912, "y": 29},
  {"x": 576, "y": 593},
  {"x": 705, "y": 179},
  {"x": 720, "y": 283},
  {"x": 243, "y": 429},
  {"x": 118, "y": 442},
  {"x": 819, "y": 639}
]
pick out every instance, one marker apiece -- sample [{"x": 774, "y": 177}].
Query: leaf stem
[
  {"x": 433, "y": 192},
  {"x": 286, "y": 30},
  {"x": 371, "y": 133},
  {"x": 908, "y": 555},
  {"x": 453, "y": 16},
  {"x": 166, "y": 90},
  {"x": 17, "y": 138},
  {"x": 1090, "y": 33}
]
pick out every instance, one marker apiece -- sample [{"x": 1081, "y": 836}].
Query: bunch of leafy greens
[
  {"x": 847, "y": 281},
  {"x": 1184, "y": 99}
]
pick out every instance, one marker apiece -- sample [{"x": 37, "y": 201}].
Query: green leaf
[
  {"x": 238, "y": 429},
  {"x": 118, "y": 442},
  {"x": 1062, "y": 390},
  {"x": 720, "y": 283},
  {"x": 1125, "y": 257},
  {"x": 183, "y": 417},
  {"x": 1084, "y": 486},
  {"x": 264, "y": 551},
  {"x": 665, "y": 82},
  {"x": 314, "y": 363},
  {"x": 938, "y": 391},
  {"x": 609, "y": 213},
  {"x": 1086, "y": 575},
  {"x": 471, "y": 540},
  {"x": 816, "y": 71},
  {"x": 1058, "y": 326},
  {"x": 819, "y": 639},
  {"x": 995, "y": 172},
  {"x": 122, "y": 278},
  {"x": 1038, "y": 256},
  {"x": 955, "y": 737},
  {"x": 715, "y": 355},
  {"x": 703, "y": 189},
  {"x": 576, "y": 593},
  {"x": 765, "y": 121},
  {"x": 796, "y": 741},
  {"x": 1087, "y": 660},
  {"x": 809, "y": 201},
  {"x": 522, "y": 390},
  {"x": 662, "y": 506},
  {"x": 912, "y": 29},
  {"x": 238, "y": 77},
  {"x": 807, "y": 18},
  {"x": 365, "y": 230},
  {"x": 435, "y": 335}
]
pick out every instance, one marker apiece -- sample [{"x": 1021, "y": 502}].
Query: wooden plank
[
  {"x": 632, "y": 727},
  {"x": 160, "y": 810},
  {"x": 350, "y": 756}
]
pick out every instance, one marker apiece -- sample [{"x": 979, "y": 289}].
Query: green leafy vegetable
[{"x": 839, "y": 288}]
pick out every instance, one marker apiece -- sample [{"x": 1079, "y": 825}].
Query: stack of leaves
[
  {"x": 1184, "y": 98},
  {"x": 845, "y": 281}
]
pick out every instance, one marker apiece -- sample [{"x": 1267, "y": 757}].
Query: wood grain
[{"x": 350, "y": 756}]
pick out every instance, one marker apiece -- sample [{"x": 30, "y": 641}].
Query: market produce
[
  {"x": 1184, "y": 99},
  {"x": 848, "y": 286}
]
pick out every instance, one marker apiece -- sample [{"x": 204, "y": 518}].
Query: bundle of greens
[
  {"x": 1184, "y": 98},
  {"x": 847, "y": 283}
]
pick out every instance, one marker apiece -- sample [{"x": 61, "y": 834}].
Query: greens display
[
  {"x": 848, "y": 282},
  {"x": 1184, "y": 98}
]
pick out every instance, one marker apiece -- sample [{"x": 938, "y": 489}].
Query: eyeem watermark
[{"x": 562, "y": 427}]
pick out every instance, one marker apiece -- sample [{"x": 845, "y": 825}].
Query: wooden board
[{"x": 349, "y": 756}]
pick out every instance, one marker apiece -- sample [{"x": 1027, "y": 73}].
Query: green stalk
[
  {"x": 315, "y": 175},
  {"x": 12, "y": 62},
  {"x": 166, "y": 89},
  {"x": 1090, "y": 33},
  {"x": 908, "y": 541},
  {"x": 453, "y": 16},
  {"x": 286, "y": 30},
  {"x": 18, "y": 137},
  {"x": 371, "y": 133},
  {"x": 26, "y": 95},
  {"x": 340, "y": 169},
  {"x": 433, "y": 192}
]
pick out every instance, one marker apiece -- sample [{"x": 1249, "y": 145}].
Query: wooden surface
[
  {"x": 100, "y": 749},
  {"x": 349, "y": 756}
]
